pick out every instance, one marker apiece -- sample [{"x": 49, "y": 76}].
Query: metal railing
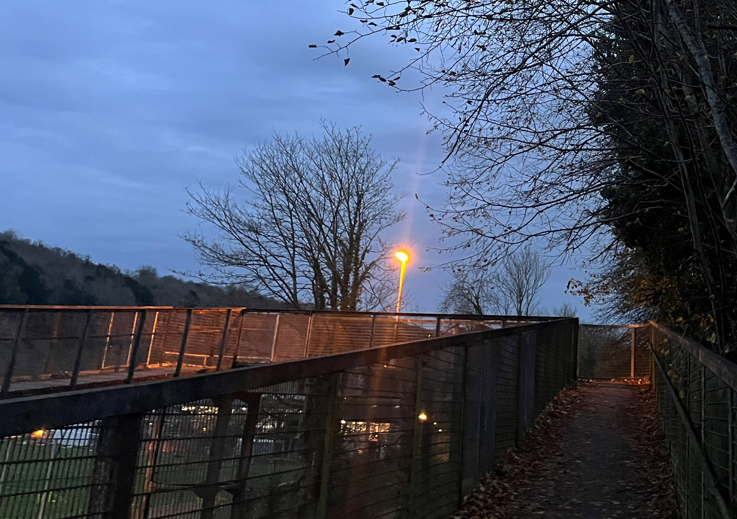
[
  {"x": 404, "y": 430},
  {"x": 696, "y": 395},
  {"x": 61, "y": 348},
  {"x": 614, "y": 351},
  {"x": 696, "y": 390}
]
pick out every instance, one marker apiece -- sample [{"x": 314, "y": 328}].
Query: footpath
[{"x": 597, "y": 453}]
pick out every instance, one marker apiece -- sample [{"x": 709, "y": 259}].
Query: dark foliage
[{"x": 32, "y": 273}]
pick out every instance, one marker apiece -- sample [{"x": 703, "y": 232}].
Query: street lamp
[{"x": 402, "y": 256}]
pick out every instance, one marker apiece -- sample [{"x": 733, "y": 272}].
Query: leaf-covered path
[{"x": 597, "y": 453}]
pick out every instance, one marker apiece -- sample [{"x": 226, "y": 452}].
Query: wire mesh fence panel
[
  {"x": 205, "y": 336},
  {"x": 642, "y": 361},
  {"x": 506, "y": 360},
  {"x": 47, "y": 349},
  {"x": 50, "y": 473},
  {"x": 614, "y": 351},
  {"x": 119, "y": 340},
  {"x": 291, "y": 337},
  {"x": 205, "y": 456},
  {"x": 394, "y": 432},
  {"x": 391, "y": 330},
  {"x": 436, "y": 476},
  {"x": 330, "y": 334},
  {"x": 371, "y": 457},
  {"x": 450, "y": 326},
  {"x": 167, "y": 339},
  {"x": 554, "y": 364},
  {"x": 696, "y": 392},
  {"x": 256, "y": 337}
]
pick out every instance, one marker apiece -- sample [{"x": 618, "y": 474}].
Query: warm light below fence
[
  {"x": 422, "y": 417},
  {"x": 38, "y": 434}
]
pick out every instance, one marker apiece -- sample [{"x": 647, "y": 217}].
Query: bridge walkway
[{"x": 598, "y": 454}]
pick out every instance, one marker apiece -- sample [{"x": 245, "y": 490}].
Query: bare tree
[
  {"x": 511, "y": 288},
  {"x": 309, "y": 231},
  {"x": 559, "y": 107},
  {"x": 565, "y": 309},
  {"x": 519, "y": 281},
  {"x": 469, "y": 292}
]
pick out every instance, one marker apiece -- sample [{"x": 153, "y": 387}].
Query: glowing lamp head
[
  {"x": 401, "y": 256},
  {"x": 422, "y": 417},
  {"x": 38, "y": 434}
]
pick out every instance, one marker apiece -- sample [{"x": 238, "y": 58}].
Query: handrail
[
  {"x": 243, "y": 309},
  {"x": 162, "y": 329},
  {"x": 709, "y": 476},
  {"x": 21, "y": 415},
  {"x": 720, "y": 366},
  {"x": 630, "y": 326},
  {"x": 474, "y": 317}
]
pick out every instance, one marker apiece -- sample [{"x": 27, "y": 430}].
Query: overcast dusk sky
[{"x": 110, "y": 109}]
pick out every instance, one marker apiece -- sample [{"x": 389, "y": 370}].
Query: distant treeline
[{"x": 32, "y": 273}]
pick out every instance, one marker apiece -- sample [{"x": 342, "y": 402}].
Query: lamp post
[{"x": 402, "y": 256}]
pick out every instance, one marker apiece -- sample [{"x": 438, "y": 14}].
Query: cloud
[{"x": 111, "y": 108}]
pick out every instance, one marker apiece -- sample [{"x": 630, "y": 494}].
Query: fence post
[
  {"x": 211, "y": 489},
  {"x": 238, "y": 340},
  {"x": 574, "y": 347},
  {"x": 462, "y": 427},
  {"x": 437, "y": 327},
  {"x": 373, "y": 327},
  {"x": 730, "y": 430},
  {"x": 183, "y": 345},
  {"x": 578, "y": 351},
  {"x": 153, "y": 449},
  {"x": 107, "y": 340},
  {"x": 632, "y": 352},
  {"x": 13, "y": 355},
  {"x": 115, "y": 461},
  {"x": 223, "y": 340},
  {"x": 417, "y": 431},
  {"x": 132, "y": 336},
  {"x": 276, "y": 337},
  {"x": 525, "y": 383},
  {"x": 652, "y": 352},
  {"x": 151, "y": 340},
  {"x": 331, "y": 426},
  {"x": 80, "y": 347},
  {"x": 135, "y": 345},
  {"x": 307, "y": 337},
  {"x": 702, "y": 426},
  {"x": 253, "y": 401}
]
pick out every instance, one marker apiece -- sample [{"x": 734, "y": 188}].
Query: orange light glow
[
  {"x": 401, "y": 256},
  {"x": 422, "y": 417},
  {"x": 38, "y": 434}
]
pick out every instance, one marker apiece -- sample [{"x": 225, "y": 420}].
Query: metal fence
[
  {"x": 614, "y": 351},
  {"x": 401, "y": 431},
  {"x": 61, "y": 348},
  {"x": 695, "y": 390}
]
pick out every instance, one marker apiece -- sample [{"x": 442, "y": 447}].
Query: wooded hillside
[{"x": 36, "y": 274}]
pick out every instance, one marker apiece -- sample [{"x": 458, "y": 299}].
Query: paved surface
[
  {"x": 594, "y": 476},
  {"x": 598, "y": 454}
]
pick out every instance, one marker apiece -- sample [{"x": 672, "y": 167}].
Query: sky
[{"x": 110, "y": 109}]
